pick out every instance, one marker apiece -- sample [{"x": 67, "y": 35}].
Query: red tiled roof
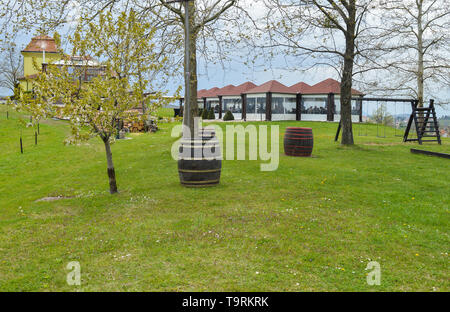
[
  {"x": 300, "y": 87},
  {"x": 211, "y": 92},
  {"x": 328, "y": 86},
  {"x": 200, "y": 93},
  {"x": 246, "y": 86},
  {"x": 37, "y": 43},
  {"x": 271, "y": 86},
  {"x": 228, "y": 90}
]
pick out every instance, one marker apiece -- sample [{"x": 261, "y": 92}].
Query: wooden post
[
  {"x": 360, "y": 109},
  {"x": 220, "y": 107},
  {"x": 330, "y": 107},
  {"x": 35, "y": 138},
  {"x": 21, "y": 146},
  {"x": 244, "y": 106},
  {"x": 269, "y": 106},
  {"x": 298, "y": 107}
]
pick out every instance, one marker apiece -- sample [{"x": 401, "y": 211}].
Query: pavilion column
[
  {"x": 330, "y": 107},
  {"x": 269, "y": 106},
  {"x": 298, "y": 107},
  {"x": 220, "y": 107},
  {"x": 360, "y": 109},
  {"x": 244, "y": 106}
]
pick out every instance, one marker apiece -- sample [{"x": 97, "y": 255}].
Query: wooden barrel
[
  {"x": 199, "y": 161},
  {"x": 298, "y": 141}
]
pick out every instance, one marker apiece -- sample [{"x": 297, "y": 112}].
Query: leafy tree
[{"x": 94, "y": 107}]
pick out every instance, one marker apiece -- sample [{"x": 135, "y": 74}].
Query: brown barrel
[
  {"x": 199, "y": 161},
  {"x": 298, "y": 141}
]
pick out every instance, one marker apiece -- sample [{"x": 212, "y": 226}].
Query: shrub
[
  {"x": 200, "y": 112},
  {"x": 204, "y": 114},
  {"x": 211, "y": 114},
  {"x": 228, "y": 116}
]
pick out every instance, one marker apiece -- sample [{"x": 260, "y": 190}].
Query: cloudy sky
[{"x": 211, "y": 75}]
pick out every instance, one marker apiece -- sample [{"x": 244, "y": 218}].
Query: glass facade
[
  {"x": 356, "y": 107},
  {"x": 283, "y": 104},
  {"x": 251, "y": 105},
  {"x": 214, "y": 104},
  {"x": 233, "y": 104},
  {"x": 256, "y": 107},
  {"x": 313, "y": 107},
  {"x": 283, "y": 107}
]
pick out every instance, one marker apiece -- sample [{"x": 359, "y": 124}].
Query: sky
[{"x": 234, "y": 73}]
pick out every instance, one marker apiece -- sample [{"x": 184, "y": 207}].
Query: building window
[
  {"x": 213, "y": 104},
  {"x": 277, "y": 105},
  {"x": 261, "y": 105},
  {"x": 251, "y": 105},
  {"x": 290, "y": 105},
  {"x": 234, "y": 105},
  {"x": 317, "y": 105}
]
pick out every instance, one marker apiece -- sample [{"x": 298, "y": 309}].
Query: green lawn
[{"x": 312, "y": 225}]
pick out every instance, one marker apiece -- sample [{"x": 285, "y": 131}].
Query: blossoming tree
[{"x": 123, "y": 44}]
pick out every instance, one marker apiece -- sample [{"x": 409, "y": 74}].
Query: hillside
[{"x": 311, "y": 225}]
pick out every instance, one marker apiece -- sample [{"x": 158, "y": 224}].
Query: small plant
[
  {"x": 211, "y": 114},
  {"x": 228, "y": 116},
  {"x": 204, "y": 114}
]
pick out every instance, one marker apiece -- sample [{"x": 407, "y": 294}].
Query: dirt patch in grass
[{"x": 53, "y": 198}]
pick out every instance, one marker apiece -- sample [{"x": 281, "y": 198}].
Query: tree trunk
[
  {"x": 420, "y": 54},
  {"x": 191, "y": 111},
  {"x": 346, "y": 91},
  {"x": 111, "y": 170},
  {"x": 420, "y": 62}
]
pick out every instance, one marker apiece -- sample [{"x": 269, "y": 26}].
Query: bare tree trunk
[
  {"x": 111, "y": 170},
  {"x": 192, "y": 82},
  {"x": 420, "y": 54},
  {"x": 346, "y": 83}
]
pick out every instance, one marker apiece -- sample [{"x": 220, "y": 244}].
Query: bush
[
  {"x": 204, "y": 114},
  {"x": 228, "y": 116},
  {"x": 211, "y": 114},
  {"x": 200, "y": 112}
]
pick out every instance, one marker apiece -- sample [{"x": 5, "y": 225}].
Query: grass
[{"x": 312, "y": 225}]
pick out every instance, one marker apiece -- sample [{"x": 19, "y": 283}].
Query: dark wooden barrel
[
  {"x": 199, "y": 161},
  {"x": 298, "y": 141}
]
